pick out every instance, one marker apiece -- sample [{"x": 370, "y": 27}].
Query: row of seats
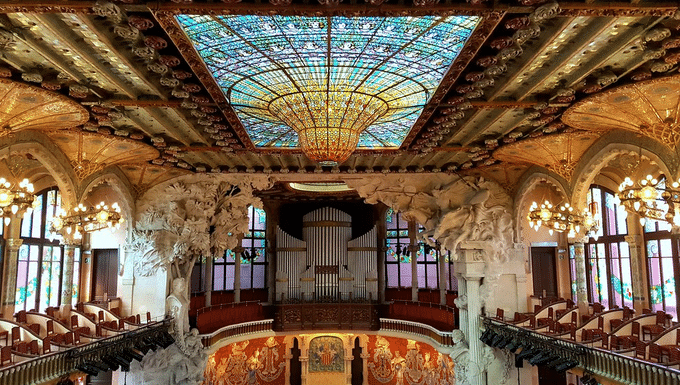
[
  {"x": 216, "y": 317},
  {"x": 437, "y": 316}
]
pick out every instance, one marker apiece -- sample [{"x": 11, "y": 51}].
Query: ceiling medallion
[
  {"x": 23, "y": 106},
  {"x": 327, "y": 84},
  {"x": 649, "y": 108}
]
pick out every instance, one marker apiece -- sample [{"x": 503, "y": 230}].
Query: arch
[
  {"x": 49, "y": 155},
  {"x": 528, "y": 182},
  {"x": 609, "y": 147},
  {"x": 118, "y": 182}
]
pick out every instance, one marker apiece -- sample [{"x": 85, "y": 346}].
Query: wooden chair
[
  {"x": 20, "y": 347},
  {"x": 16, "y": 335},
  {"x": 500, "y": 314},
  {"x": 5, "y": 334},
  {"x": 101, "y": 315},
  {"x": 50, "y": 327},
  {"x": 34, "y": 348},
  {"x": 640, "y": 350},
  {"x": 5, "y": 355},
  {"x": 76, "y": 337},
  {"x": 47, "y": 344},
  {"x": 121, "y": 324},
  {"x": 138, "y": 318},
  {"x": 655, "y": 329},
  {"x": 546, "y": 320},
  {"x": 74, "y": 321},
  {"x": 35, "y": 328},
  {"x": 148, "y": 317},
  {"x": 20, "y": 316},
  {"x": 68, "y": 338}
]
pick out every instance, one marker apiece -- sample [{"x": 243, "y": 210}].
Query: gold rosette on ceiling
[
  {"x": 90, "y": 152},
  {"x": 23, "y": 106},
  {"x": 649, "y": 108},
  {"x": 558, "y": 153},
  {"x": 144, "y": 175}
]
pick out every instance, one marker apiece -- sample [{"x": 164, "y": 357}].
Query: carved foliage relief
[
  {"x": 256, "y": 361},
  {"x": 397, "y": 361}
]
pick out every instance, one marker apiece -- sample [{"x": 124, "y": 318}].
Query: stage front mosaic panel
[{"x": 262, "y": 61}]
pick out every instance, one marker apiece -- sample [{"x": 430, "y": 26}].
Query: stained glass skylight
[{"x": 262, "y": 62}]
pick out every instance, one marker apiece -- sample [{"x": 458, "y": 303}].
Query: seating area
[
  {"x": 651, "y": 336},
  {"x": 438, "y": 316},
  {"x": 210, "y": 319},
  {"x": 31, "y": 334}
]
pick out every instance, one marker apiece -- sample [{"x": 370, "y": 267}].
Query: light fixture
[
  {"x": 15, "y": 200},
  {"x": 86, "y": 220},
  {"x": 562, "y": 218},
  {"x": 651, "y": 198}
]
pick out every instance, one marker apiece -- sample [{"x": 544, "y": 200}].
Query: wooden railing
[
  {"x": 418, "y": 329},
  {"x": 55, "y": 365},
  {"x": 237, "y": 330},
  {"x": 618, "y": 367}
]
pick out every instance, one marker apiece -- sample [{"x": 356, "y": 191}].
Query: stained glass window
[
  {"x": 398, "y": 255},
  {"x": 608, "y": 259},
  {"x": 260, "y": 60},
  {"x": 40, "y": 265},
  {"x": 253, "y": 259},
  {"x": 427, "y": 265}
]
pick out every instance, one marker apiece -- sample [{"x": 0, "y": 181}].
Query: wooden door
[
  {"x": 543, "y": 271},
  {"x": 105, "y": 273}
]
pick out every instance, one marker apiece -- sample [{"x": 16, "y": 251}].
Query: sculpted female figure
[{"x": 177, "y": 304}]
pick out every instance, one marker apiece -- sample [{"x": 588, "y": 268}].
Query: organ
[{"x": 326, "y": 265}]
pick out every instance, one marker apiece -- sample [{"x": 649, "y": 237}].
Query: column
[
  {"x": 413, "y": 248},
  {"x": 637, "y": 268},
  {"x": 478, "y": 376},
  {"x": 10, "y": 275},
  {"x": 67, "y": 276},
  {"x": 461, "y": 304},
  {"x": 208, "y": 281},
  {"x": 237, "y": 274},
  {"x": 581, "y": 280},
  {"x": 442, "y": 276}
]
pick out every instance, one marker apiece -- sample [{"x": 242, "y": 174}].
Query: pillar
[
  {"x": 442, "y": 276},
  {"x": 207, "y": 282},
  {"x": 581, "y": 280},
  {"x": 67, "y": 276},
  {"x": 461, "y": 304},
  {"x": 413, "y": 248},
  {"x": 9, "y": 278},
  {"x": 237, "y": 275},
  {"x": 471, "y": 267},
  {"x": 637, "y": 268}
]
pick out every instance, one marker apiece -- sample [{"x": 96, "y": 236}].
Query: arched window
[
  {"x": 662, "y": 259},
  {"x": 253, "y": 257},
  {"x": 41, "y": 258},
  {"x": 608, "y": 258},
  {"x": 398, "y": 254}
]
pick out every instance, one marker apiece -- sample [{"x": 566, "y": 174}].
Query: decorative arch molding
[
  {"x": 609, "y": 147},
  {"x": 527, "y": 183},
  {"x": 118, "y": 182},
  {"x": 49, "y": 155}
]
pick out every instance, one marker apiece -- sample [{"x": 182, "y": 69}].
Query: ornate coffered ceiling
[{"x": 143, "y": 83}]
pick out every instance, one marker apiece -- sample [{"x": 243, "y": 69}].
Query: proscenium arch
[
  {"x": 49, "y": 155},
  {"x": 606, "y": 149}
]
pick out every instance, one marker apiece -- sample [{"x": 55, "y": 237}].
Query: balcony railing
[
  {"x": 624, "y": 369},
  {"x": 55, "y": 365},
  {"x": 237, "y": 330},
  {"x": 417, "y": 329}
]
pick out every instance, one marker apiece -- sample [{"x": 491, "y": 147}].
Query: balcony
[{"x": 542, "y": 349}]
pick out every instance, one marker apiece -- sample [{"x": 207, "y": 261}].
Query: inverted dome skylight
[{"x": 259, "y": 61}]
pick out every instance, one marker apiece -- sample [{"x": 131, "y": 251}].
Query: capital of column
[
  {"x": 14, "y": 244},
  {"x": 581, "y": 240},
  {"x": 633, "y": 240}
]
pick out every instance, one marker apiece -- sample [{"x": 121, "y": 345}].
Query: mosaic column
[
  {"x": 637, "y": 268},
  {"x": 442, "y": 277},
  {"x": 67, "y": 276},
  {"x": 581, "y": 280},
  {"x": 237, "y": 275},
  {"x": 10, "y": 275},
  {"x": 207, "y": 284}
]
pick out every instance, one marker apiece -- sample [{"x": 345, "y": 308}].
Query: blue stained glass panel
[{"x": 256, "y": 59}]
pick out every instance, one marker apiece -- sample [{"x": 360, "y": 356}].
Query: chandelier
[
  {"x": 651, "y": 199},
  {"x": 328, "y": 123},
  {"x": 562, "y": 218},
  {"x": 16, "y": 200},
  {"x": 86, "y": 220}
]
